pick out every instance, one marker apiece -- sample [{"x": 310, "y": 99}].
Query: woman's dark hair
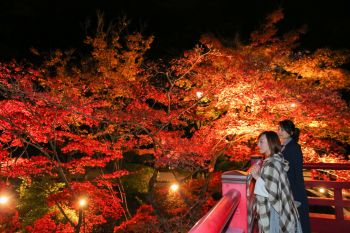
[
  {"x": 289, "y": 127},
  {"x": 273, "y": 141}
]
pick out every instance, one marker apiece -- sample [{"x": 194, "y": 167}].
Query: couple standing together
[{"x": 281, "y": 200}]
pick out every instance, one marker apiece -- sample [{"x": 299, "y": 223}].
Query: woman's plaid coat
[{"x": 274, "y": 174}]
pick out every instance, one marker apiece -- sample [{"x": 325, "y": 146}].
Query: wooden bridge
[{"x": 329, "y": 202}]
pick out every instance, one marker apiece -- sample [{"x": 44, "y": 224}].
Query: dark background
[{"x": 176, "y": 24}]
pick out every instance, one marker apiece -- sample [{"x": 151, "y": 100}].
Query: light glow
[
  {"x": 199, "y": 94},
  {"x": 328, "y": 160},
  {"x": 3, "y": 200},
  {"x": 314, "y": 124},
  {"x": 322, "y": 190},
  {"x": 174, "y": 187},
  {"x": 82, "y": 202}
]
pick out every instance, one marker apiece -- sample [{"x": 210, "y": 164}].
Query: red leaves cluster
[
  {"x": 9, "y": 220},
  {"x": 24, "y": 167},
  {"x": 41, "y": 135},
  {"x": 143, "y": 221},
  {"x": 47, "y": 224}
]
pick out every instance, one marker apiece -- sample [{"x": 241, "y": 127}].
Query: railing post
[
  {"x": 323, "y": 221},
  {"x": 338, "y": 199},
  {"x": 239, "y": 181}
]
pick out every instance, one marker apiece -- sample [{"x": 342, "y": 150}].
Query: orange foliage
[{"x": 214, "y": 100}]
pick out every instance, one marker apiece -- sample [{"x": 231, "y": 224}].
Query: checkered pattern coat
[{"x": 274, "y": 174}]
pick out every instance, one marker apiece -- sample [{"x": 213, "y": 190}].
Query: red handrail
[
  {"x": 232, "y": 214},
  {"x": 331, "y": 166},
  {"x": 237, "y": 190},
  {"x": 217, "y": 218},
  {"x": 327, "y": 223}
]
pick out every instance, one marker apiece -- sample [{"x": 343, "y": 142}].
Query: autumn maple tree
[{"x": 69, "y": 127}]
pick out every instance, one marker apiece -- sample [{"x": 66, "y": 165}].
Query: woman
[
  {"x": 274, "y": 200},
  {"x": 291, "y": 151}
]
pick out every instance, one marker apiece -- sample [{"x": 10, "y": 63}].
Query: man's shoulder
[{"x": 292, "y": 145}]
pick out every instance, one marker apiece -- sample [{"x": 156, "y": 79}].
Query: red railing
[
  {"x": 233, "y": 213},
  {"x": 217, "y": 218},
  {"x": 331, "y": 197}
]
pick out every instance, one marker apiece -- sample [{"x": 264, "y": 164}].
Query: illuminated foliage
[{"x": 76, "y": 124}]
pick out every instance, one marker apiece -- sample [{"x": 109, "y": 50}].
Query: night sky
[{"x": 176, "y": 24}]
